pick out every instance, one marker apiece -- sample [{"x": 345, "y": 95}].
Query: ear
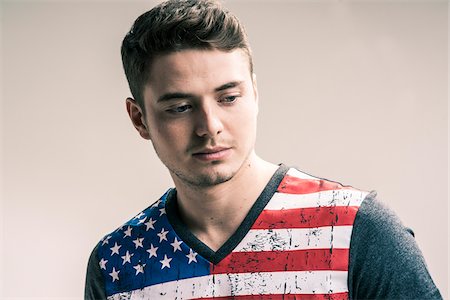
[
  {"x": 255, "y": 90},
  {"x": 137, "y": 118}
]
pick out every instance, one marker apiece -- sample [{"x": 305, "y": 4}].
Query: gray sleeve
[
  {"x": 95, "y": 286},
  {"x": 385, "y": 261}
]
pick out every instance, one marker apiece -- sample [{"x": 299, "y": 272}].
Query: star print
[
  {"x": 102, "y": 264},
  {"x": 128, "y": 232},
  {"x": 165, "y": 262},
  {"x": 142, "y": 220},
  {"x": 138, "y": 242},
  {"x": 114, "y": 274},
  {"x": 150, "y": 223},
  {"x": 115, "y": 249},
  {"x": 192, "y": 256},
  {"x": 127, "y": 258},
  {"x": 139, "y": 268},
  {"x": 176, "y": 245},
  {"x": 140, "y": 215},
  {"x": 152, "y": 251},
  {"x": 106, "y": 240},
  {"x": 156, "y": 203},
  {"x": 119, "y": 229},
  {"x": 162, "y": 235},
  {"x": 162, "y": 211}
]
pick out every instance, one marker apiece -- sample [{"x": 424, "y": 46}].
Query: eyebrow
[
  {"x": 228, "y": 85},
  {"x": 174, "y": 96},
  {"x": 178, "y": 95}
]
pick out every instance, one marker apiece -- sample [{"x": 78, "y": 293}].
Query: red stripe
[
  {"x": 277, "y": 261},
  {"x": 295, "y": 185},
  {"x": 335, "y": 296},
  {"x": 306, "y": 217}
]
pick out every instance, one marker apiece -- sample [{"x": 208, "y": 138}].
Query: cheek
[
  {"x": 246, "y": 120},
  {"x": 170, "y": 134}
]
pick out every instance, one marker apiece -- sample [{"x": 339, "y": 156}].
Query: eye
[
  {"x": 179, "y": 109},
  {"x": 229, "y": 99}
]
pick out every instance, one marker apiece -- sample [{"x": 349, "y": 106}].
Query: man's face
[{"x": 201, "y": 109}]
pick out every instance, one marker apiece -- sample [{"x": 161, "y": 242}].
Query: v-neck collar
[{"x": 198, "y": 246}]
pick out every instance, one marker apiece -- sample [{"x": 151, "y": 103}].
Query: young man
[{"x": 236, "y": 226}]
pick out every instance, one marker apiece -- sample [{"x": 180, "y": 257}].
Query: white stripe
[
  {"x": 296, "y": 239},
  {"x": 326, "y": 198},
  {"x": 296, "y": 173},
  {"x": 222, "y": 285}
]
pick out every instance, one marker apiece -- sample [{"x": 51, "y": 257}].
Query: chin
[
  {"x": 208, "y": 181},
  {"x": 205, "y": 179},
  {"x": 209, "y": 175}
]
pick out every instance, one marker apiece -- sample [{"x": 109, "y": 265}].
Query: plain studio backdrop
[{"x": 353, "y": 91}]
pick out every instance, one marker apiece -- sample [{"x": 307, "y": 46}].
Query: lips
[{"x": 211, "y": 154}]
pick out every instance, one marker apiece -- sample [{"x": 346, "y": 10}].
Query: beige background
[{"x": 354, "y": 91}]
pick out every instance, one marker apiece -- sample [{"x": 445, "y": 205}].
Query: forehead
[{"x": 190, "y": 70}]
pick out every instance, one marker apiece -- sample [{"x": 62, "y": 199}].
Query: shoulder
[
  {"x": 321, "y": 191},
  {"x": 320, "y": 202},
  {"x": 131, "y": 233},
  {"x": 376, "y": 222},
  {"x": 117, "y": 256},
  {"x": 385, "y": 260}
]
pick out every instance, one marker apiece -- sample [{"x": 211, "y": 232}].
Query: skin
[{"x": 201, "y": 115}]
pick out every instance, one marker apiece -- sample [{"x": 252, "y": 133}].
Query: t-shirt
[{"x": 304, "y": 237}]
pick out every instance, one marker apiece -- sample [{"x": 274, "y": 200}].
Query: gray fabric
[
  {"x": 385, "y": 261},
  {"x": 95, "y": 287}
]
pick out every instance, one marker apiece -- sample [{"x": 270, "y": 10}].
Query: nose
[{"x": 208, "y": 122}]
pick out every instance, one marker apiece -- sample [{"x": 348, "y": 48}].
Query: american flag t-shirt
[{"x": 295, "y": 246}]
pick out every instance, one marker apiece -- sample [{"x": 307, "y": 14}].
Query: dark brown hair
[{"x": 176, "y": 25}]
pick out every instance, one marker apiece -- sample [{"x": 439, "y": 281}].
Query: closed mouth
[
  {"x": 210, "y": 150},
  {"x": 212, "y": 154}
]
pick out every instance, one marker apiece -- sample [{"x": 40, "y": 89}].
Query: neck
[{"x": 214, "y": 213}]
